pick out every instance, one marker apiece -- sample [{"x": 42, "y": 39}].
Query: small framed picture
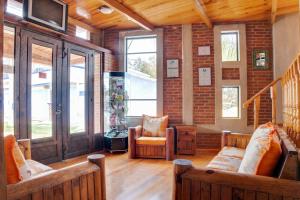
[
  {"x": 260, "y": 59},
  {"x": 172, "y": 68}
]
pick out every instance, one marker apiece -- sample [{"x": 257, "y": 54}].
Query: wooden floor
[{"x": 140, "y": 179}]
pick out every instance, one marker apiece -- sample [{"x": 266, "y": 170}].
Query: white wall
[{"x": 286, "y": 45}]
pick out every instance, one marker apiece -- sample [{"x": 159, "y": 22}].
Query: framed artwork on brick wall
[{"x": 260, "y": 59}]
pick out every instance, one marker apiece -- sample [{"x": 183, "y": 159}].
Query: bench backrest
[{"x": 287, "y": 167}]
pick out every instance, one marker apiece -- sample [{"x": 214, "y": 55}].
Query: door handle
[{"x": 58, "y": 109}]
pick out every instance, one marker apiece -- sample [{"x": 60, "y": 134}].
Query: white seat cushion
[{"x": 37, "y": 168}]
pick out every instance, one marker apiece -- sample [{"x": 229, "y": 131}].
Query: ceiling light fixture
[{"x": 105, "y": 10}]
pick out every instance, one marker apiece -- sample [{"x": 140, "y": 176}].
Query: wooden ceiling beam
[
  {"x": 122, "y": 9},
  {"x": 202, "y": 11},
  {"x": 274, "y": 11}
]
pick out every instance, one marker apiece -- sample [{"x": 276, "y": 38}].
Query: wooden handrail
[{"x": 249, "y": 101}]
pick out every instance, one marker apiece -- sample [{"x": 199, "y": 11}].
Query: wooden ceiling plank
[
  {"x": 202, "y": 10},
  {"x": 134, "y": 17},
  {"x": 274, "y": 11},
  {"x": 88, "y": 27}
]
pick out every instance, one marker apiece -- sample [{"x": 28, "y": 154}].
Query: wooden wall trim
[
  {"x": 17, "y": 21},
  {"x": 3, "y": 182},
  {"x": 187, "y": 73}
]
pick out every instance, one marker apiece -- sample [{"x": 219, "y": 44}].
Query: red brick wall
[
  {"x": 204, "y": 96},
  {"x": 208, "y": 140},
  {"x": 111, "y": 41},
  {"x": 259, "y": 36},
  {"x": 173, "y": 86},
  {"x": 230, "y": 74}
]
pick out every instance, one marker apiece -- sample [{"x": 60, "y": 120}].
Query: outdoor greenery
[{"x": 142, "y": 65}]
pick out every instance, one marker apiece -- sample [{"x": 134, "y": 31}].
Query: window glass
[
  {"x": 141, "y": 79},
  {"x": 14, "y": 7},
  {"x": 77, "y": 94},
  {"x": 41, "y": 92},
  {"x": 82, "y": 33},
  {"x": 230, "y": 102},
  {"x": 8, "y": 79},
  {"x": 230, "y": 46},
  {"x": 141, "y": 45}
]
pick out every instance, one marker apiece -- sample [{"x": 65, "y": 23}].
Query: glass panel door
[
  {"x": 77, "y": 81},
  {"x": 40, "y": 83}
]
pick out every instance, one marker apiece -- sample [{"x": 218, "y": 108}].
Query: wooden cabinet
[{"x": 186, "y": 139}]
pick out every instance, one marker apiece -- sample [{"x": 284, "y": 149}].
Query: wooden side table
[{"x": 186, "y": 139}]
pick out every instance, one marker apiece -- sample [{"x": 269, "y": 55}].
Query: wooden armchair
[
  {"x": 150, "y": 147},
  {"x": 84, "y": 180}
]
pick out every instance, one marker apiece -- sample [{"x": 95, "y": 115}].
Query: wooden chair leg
[
  {"x": 170, "y": 144},
  {"x": 131, "y": 143}
]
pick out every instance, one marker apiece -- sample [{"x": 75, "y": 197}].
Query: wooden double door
[{"x": 56, "y": 96}]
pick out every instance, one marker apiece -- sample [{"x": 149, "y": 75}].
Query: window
[
  {"x": 230, "y": 46},
  {"x": 14, "y": 7},
  {"x": 82, "y": 33},
  {"x": 141, "y": 80},
  {"x": 41, "y": 92},
  {"x": 8, "y": 79},
  {"x": 230, "y": 102},
  {"x": 77, "y": 93}
]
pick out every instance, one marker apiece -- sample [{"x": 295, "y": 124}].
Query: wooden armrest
[
  {"x": 133, "y": 134},
  {"x": 25, "y": 147},
  {"x": 170, "y": 137},
  {"x": 93, "y": 168},
  {"x": 239, "y": 140}
]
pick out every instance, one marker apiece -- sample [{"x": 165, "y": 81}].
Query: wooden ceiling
[{"x": 170, "y": 12}]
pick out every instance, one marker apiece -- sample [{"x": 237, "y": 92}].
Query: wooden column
[
  {"x": 187, "y": 75},
  {"x": 2, "y": 159}
]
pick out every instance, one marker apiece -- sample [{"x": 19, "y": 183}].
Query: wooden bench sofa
[
  {"x": 206, "y": 183},
  {"x": 85, "y": 180}
]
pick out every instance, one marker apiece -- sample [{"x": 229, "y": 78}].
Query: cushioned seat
[
  {"x": 151, "y": 141},
  {"x": 37, "y": 168},
  {"x": 225, "y": 163},
  {"x": 232, "y": 152}
]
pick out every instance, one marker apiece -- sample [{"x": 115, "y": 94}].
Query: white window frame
[
  {"x": 240, "y": 123},
  {"x": 159, "y": 61},
  {"x": 125, "y": 60}
]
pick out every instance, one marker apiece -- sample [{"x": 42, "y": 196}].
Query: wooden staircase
[{"x": 290, "y": 84}]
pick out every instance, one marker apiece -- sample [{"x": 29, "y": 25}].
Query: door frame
[
  {"x": 70, "y": 139},
  {"x": 38, "y": 145}
]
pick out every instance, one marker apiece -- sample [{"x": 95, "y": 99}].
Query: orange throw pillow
[
  {"x": 262, "y": 152},
  {"x": 155, "y": 126},
  {"x": 12, "y": 171}
]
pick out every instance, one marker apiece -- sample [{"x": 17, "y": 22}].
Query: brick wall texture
[{"x": 259, "y": 36}]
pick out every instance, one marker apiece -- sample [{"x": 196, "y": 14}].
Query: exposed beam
[
  {"x": 274, "y": 11},
  {"x": 202, "y": 11},
  {"x": 121, "y": 8},
  {"x": 88, "y": 27}
]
